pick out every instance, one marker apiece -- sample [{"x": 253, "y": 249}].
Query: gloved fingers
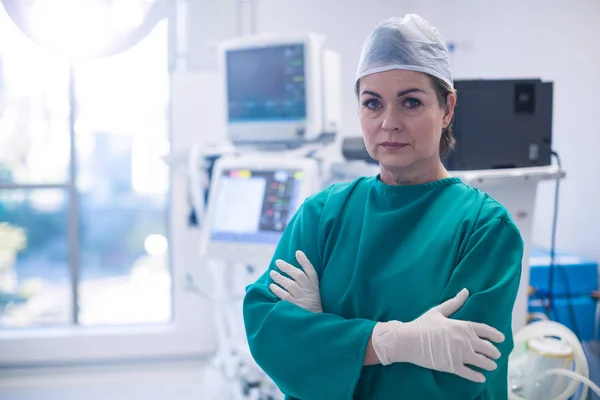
[
  {"x": 480, "y": 361},
  {"x": 451, "y": 306},
  {"x": 487, "y": 332},
  {"x": 282, "y": 294},
  {"x": 468, "y": 373},
  {"x": 313, "y": 305},
  {"x": 286, "y": 283},
  {"x": 309, "y": 269},
  {"x": 487, "y": 349},
  {"x": 295, "y": 273}
]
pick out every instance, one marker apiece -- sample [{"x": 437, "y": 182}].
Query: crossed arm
[
  {"x": 433, "y": 341},
  {"x": 317, "y": 355}
]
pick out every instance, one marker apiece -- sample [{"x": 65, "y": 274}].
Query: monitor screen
[
  {"x": 255, "y": 206},
  {"x": 266, "y": 84}
]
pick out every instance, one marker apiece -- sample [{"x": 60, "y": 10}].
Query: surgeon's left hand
[{"x": 303, "y": 287}]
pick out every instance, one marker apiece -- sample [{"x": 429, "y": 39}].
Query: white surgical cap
[{"x": 408, "y": 43}]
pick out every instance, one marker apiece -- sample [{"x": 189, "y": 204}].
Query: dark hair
[{"x": 442, "y": 90}]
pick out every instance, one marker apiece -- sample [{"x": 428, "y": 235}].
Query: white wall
[
  {"x": 556, "y": 40},
  {"x": 552, "y": 39}
]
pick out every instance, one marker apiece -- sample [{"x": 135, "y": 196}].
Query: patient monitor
[
  {"x": 280, "y": 89},
  {"x": 252, "y": 199}
]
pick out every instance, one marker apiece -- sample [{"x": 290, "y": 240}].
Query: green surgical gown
[{"x": 385, "y": 253}]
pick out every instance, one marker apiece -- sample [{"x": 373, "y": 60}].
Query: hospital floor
[{"x": 190, "y": 380}]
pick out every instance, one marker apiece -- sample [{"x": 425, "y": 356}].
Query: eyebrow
[{"x": 400, "y": 94}]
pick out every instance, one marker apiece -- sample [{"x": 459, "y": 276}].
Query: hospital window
[{"x": 83, "y": 233}]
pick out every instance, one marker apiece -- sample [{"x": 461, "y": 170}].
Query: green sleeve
[
  {"x": 308, "y": 355},
  {"x": 490, "y": 268}
]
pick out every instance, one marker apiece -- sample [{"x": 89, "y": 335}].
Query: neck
[{"x": 414, "y": 175}]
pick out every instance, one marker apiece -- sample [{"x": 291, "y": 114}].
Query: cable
[
  {"x": 553, "y": 241},
  {"x": 564, "y": 277},
  {"x": 545, "y": 303}
]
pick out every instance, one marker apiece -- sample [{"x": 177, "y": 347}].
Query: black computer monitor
[{"x": 502, "y": 124}]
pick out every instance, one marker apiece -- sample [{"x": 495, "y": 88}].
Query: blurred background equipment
[{"x": 502, "y": 124}]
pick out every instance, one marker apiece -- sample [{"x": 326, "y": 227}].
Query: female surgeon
[{"x": 402, "y": 285}]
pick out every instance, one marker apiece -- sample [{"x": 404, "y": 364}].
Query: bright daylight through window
[{"x": 103, "y": 222}]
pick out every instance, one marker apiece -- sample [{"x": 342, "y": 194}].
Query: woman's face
[{"x": 401, "y": 119}]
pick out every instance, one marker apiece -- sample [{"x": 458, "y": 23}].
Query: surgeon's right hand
[{"x": 436, "y": 342}]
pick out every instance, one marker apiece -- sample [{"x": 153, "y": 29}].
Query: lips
[{"x": 393, "y": 145}]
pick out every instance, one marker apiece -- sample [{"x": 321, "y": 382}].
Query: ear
[{"x": 450, "y": 104}]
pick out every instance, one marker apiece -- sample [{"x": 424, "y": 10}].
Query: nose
[{"x": 391, "y": 120}]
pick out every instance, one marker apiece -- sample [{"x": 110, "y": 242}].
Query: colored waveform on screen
[{"x": 241, "y": 174}]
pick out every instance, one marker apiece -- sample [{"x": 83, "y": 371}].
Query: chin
[{"x": 395, "y": 161}]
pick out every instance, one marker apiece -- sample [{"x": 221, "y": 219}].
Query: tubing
[{"x": 573, "y": 375}]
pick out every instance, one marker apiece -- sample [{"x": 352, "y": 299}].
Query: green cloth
[{"x": 385, "y": 253}]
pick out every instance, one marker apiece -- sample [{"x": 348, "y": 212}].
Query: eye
[
  {"x": 372, "y": 104},
  {"x": 412, "y": 103}
]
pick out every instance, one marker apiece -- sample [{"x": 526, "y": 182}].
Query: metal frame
[
  {"x": 73, "y": 202},
  {"x": 17, "y": 186}
]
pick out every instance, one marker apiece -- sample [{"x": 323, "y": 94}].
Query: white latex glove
[
  {"x": 303, "y": 287},
  {"x": 436, "y": 342}
]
